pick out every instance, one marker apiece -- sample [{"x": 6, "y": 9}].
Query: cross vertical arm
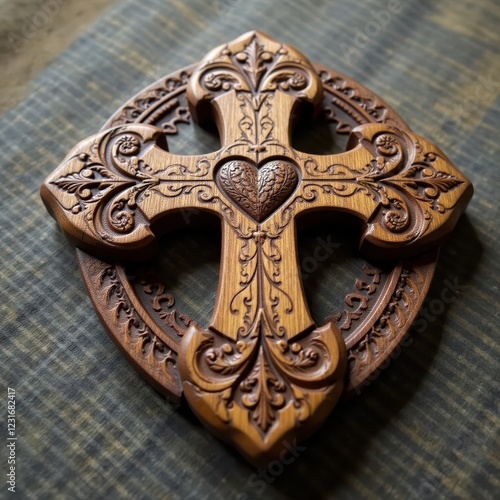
[{"x": 260, "y": 284}]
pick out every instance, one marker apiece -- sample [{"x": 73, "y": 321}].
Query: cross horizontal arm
[
  {"x": 114, "y": 186},
  {"x": 403, "y": 187}
]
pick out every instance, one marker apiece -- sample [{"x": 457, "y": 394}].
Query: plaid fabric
[{"x": 89, "y": 427}]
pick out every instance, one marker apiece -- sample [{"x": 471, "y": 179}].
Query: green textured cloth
[{"x": 90, "y": 427}]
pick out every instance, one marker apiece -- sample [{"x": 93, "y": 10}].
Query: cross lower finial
[{"x": 262, "y": 372}]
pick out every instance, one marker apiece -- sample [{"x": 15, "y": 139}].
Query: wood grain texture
[
  {"x": 262, "y": 371},
  {"x": 424, "y": 426},
  {"x": 374, "y": 316}
]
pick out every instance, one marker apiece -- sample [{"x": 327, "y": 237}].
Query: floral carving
[
  {"x": 260, "y": 290},
  {"x": 256, "y": 68},
  {"x": 399, "y": 175},
  {"x": 89, "y": 184},
  {"x": 263, "y": 393},
  {"x": 377, "y": 111},
  {"x": 136, "y": 332},
  {"x": 358, "y": 302},
  {"x": 366, "y": 354},
  {"x": 253, "y": 70},
  {"x": 262, "y": 360},
  {"x": 163, "y": 304},
  {"x": 271, "y": 372},
  {"x": 144, "y": 106},
  {"x": 110, "y": 177},
  {"x": 256, "y": 126},
  {"x": 428, "y": 183}
]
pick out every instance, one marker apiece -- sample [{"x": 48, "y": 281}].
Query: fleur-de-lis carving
[{"x": 262, "y": 371}]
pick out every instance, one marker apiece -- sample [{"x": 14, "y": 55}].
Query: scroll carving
[{"x": 262, "y": 370}]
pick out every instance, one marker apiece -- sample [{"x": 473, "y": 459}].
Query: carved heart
[{"x": 258, "y": 192}]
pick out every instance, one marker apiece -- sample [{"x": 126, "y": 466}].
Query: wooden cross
[{"x": 262, "y": 372}]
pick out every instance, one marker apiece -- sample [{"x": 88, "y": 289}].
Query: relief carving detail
[{"x": 262, "y": 371}]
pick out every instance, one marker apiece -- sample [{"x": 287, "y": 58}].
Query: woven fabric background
[{"x": 89, "y": 427}]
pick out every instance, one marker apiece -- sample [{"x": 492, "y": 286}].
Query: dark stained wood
[{"x": 262, "y": 371}]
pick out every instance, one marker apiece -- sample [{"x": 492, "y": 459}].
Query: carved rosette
[
  {"x": 400, "y": 184},
  {"x": 104, "y": 200},
  {"x": 107, "y": 191}
]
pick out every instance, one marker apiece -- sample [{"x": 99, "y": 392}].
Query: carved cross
[{"x": 262, "y": 371}]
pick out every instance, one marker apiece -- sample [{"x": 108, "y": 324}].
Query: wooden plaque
[{"x": 262, "y": 371}]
